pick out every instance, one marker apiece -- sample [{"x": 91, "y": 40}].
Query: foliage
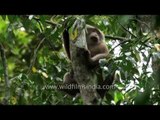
[{"x": 37, "y": 62}]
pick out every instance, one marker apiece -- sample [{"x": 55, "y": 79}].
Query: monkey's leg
[
  {"x": 105, "y": 85},
  {"x": 69, "y": 85}
]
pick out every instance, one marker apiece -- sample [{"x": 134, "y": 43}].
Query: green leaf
[
  {"x": 142, "y": 98},
  {"x": 124, "y": 19},
  {"x": 12, "y": 18},
  {"x": 37, "y": 78},
  {"x": 3, "y": 17},
  {"x": 129, "y": 65},
  {"x": 26, "y": 23},
  {"x": 118, "y": 96}
]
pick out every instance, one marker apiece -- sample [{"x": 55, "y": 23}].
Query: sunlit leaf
[
  {"x": 34, "y": 70},
  {"x": 13, "y": 100},
  {"x": 118, "y": 96},
  {"x": 157, "y": 46},
  {"x": 73, "y": 33},
  {"x": 44, "y": 74},
  {"x": 30, "y": 17}
]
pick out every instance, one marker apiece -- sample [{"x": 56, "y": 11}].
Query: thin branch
[
  {"x": 141, "y": 22},
  {"x": 52, "y": 46},
  {"x": 41, "y": 28},
  {"x": 31, "y": 64},
  {"x": 52, "y": 23},
  {"x": 127, "y": 30},
  {"x": 116, "y": 38},
  {"x": 144, "y": 44},
  {"x": 145, "y": 25},
  {"x": 5, "y": 67},
  {"x": 122, "y": 39},
  {"x": 35, "y": 55},
  {"x": 148, "y": 60},
  {"x": 47, "y": 21},
  {"x": 123, "y": 42}
]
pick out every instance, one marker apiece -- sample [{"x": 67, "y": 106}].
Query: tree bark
[
  {"x": 5, "y": 67},
  {"x": 84, "y": 76}
]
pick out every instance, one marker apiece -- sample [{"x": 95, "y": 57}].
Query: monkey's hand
[{"x": 84, "y": 53}]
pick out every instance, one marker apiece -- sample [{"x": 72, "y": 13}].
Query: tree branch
[
  {"x": 47, "y": 21},
  {"x": 145, "y": 25},
  {"x": 127, "y": 30},
  {"x": 31, "y": 64},
  {"x": 122, "y": 39},
  {"x": 40, "y": 25},
  {"x": 5, "y": 66},
  {"x": 148, "y": 60},
  {"x": 141, "y": 22},
  {"x": 51, "y": 23},
  {"x": 35, "y": 55},
  {"x": 119, "y": 45},
  {"x": 116, "y": 38}
]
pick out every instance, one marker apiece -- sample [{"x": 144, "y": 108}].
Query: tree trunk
[{"x": 84, "y": 76}]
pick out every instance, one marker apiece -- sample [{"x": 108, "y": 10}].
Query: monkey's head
[{"x": 93, "y": 35}]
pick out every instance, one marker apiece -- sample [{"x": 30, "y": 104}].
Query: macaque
[
  {"x": 95, "y": 43},
  {"x": 97, "y": 50}
]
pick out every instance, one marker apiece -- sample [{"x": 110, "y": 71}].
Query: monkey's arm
[
  {"x": 92, "y": 61},
  {"x": 99, "y": 56},
  {"x": 95, "y": 59},
  {"x": 103, "y": 53}
]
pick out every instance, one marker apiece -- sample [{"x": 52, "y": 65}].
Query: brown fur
[{"x": 97, "y": 49}]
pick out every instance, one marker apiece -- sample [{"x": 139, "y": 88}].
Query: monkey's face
[{"x": 94, "y": 36}]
